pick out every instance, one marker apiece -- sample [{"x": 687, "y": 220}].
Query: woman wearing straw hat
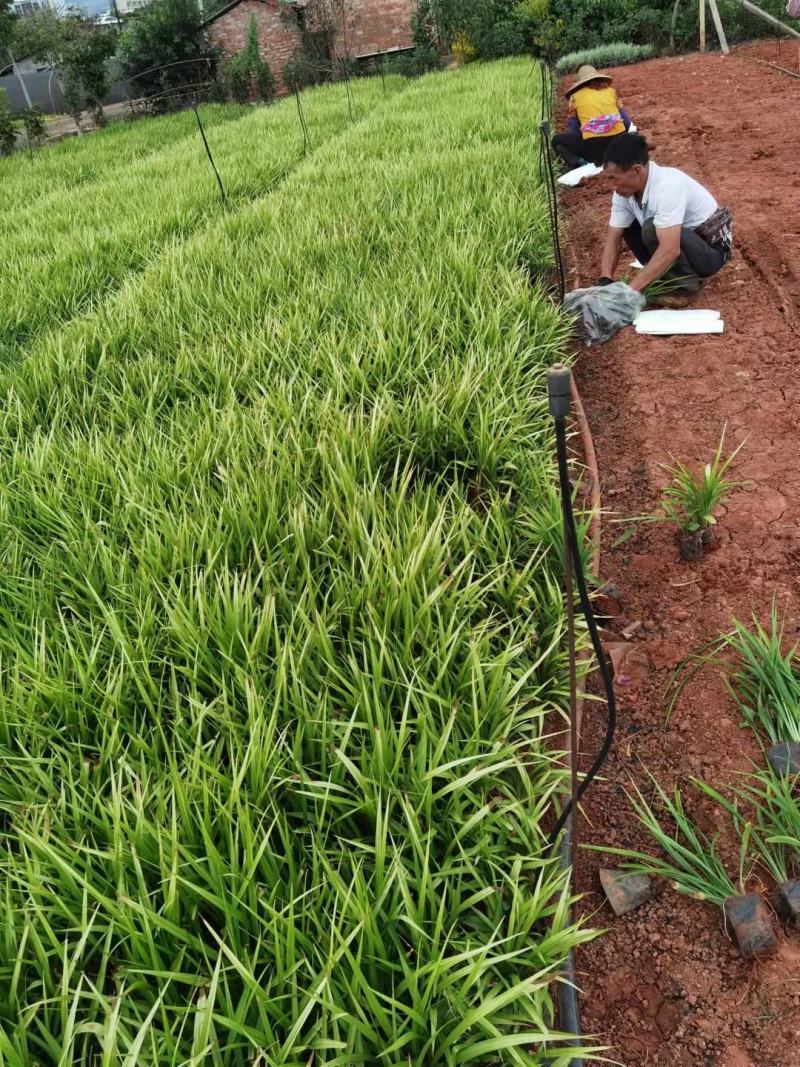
[{"x": 596, "y": 118}]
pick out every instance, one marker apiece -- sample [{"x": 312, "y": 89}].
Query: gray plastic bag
[{"x": 604, "y": 309}]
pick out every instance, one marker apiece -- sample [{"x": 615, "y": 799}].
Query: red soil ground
[{"x": 665, "y": 986}]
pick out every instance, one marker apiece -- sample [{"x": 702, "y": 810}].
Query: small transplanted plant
[
  {"x": 691, "y": 863},
  {"x": 765, "y": 683},
  {"x": 764, "y": 811},
  {"x": 691, "y": 500}
]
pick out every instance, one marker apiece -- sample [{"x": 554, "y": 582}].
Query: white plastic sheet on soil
[
  {"x": 575, "y": 177},
  {"x": 690, "y": 321}
]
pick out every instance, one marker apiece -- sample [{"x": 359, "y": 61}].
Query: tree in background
[
  {"x": 86, "y": 63},
  {"x": 77, "y": 50},
  {"x": 8, "y": 133},
  {"x": 314, "y": 61},
  {"x": 33, "y": 121},
  {"x": 248, "y": 75},
  {"x": 163, "y": 54},
  {"x": 7, "y": 26},
  {"x": 482, "y": 29},
  {"x": 429, "y": 32}
]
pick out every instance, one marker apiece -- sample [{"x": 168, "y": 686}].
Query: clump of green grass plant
[
  {"x": 764, "y": 680},
  {"x": 613, "y": 54},
  {"x": 689, "y": 860},
  {"x": 691, "y": 500},
  {"x": 764, "y": 810},
  {"x": 282, "y": 625}
]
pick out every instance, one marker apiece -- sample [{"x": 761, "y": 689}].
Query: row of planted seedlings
[
  {"x": 110, "y": 150},
  {"x": 67, "y": 250},
  {"x": 282, "y": 623},
  {"x": 764, "y": 682}
]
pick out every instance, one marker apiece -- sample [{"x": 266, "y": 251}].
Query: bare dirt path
[{"x": 665, "y": 986}]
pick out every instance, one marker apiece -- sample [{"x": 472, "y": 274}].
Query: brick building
[{"x": 367, "y": 28}]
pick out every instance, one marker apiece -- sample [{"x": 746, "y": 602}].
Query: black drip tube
[{"x": 559, "y": 380}]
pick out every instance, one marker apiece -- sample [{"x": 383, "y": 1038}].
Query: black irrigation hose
[
  {"x": 548, "y": 171},
  {"x": 559, "y": 382},
  {"x": 588, "y": 614}
]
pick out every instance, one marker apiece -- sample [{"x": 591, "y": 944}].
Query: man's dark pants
[{"x": 698, "y": 259}]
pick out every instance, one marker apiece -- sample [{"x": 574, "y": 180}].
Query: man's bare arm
[
  {"x": 665, "y": 255},
  {"x": 611, "y": 252}
]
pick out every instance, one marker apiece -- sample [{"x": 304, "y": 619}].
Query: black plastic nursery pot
[
  {"x": 694, "y": 545},
  {"x": 787, "y": 901},
  {"x": 784, "y": 758},
  {"x": 708, "y": 538},
  {"x": 747, "y": 921},
  {"x": 691, "y": 545}
]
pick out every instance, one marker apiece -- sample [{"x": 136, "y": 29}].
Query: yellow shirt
[{"x": 591, "y": 104}]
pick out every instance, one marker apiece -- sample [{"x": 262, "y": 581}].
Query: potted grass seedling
[
  {"x": 773, "y": 829},
  {"x": 766, "y": 687},
  {"x": 691, "y": 501},
  {"x": 691, "y": 863}
]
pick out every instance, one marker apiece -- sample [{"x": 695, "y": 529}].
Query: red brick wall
[
  {"x": 376, "y": 25},
  {"x": 277, "y": 33},
  {"x": 372, "y": 26}
]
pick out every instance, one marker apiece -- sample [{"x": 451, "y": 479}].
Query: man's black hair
[{"x": 627, "y": 150}]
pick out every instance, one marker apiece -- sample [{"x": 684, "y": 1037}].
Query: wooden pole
[
  {"x": 754, "y": 9},
  {"x": 673, "y": 24},
  {"x": 702, "y": 25},
  {"x": 718, "y": 27}
]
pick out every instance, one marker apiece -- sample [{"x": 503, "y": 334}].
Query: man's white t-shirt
[{"x": 670, "y": 198}]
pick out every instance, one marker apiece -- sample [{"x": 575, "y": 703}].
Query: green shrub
[
  {"x": 301, "y": 72},
  {"x": 586, "y": 24},
  {"x": 8, "y": 137},
  {"x": 247, "y": 74},
  {"x": 33, "y": 121},
  {"x": 614, "y": 54},
  {"x": 417, "y": 62}
]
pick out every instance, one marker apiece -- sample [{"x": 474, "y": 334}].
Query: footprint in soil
[{"x": 663, "y": 1014}]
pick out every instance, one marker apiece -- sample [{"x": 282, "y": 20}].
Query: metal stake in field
[
  {"x": 303, "y": 127},
  {"x": 547, "y": 173},
  {"x": 208, "y": 152},
  {"x": 346, "y": 60},
  {"x": 346, "y": 72}
]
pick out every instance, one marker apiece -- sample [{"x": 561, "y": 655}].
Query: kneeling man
[{"x": 668, "y": 220}]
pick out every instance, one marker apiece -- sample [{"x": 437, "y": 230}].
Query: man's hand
[
  {"x": 665, "y": 255},
  {"x": 611, "y": 252}
]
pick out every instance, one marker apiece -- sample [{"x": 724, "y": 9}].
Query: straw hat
[{"x": 587, "y": 73}]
